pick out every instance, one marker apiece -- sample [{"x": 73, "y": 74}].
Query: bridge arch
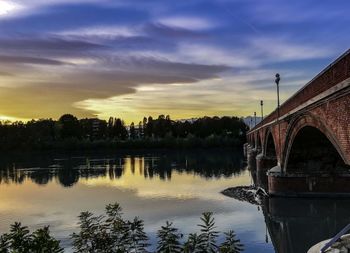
[
  {"x": 258, "y": 141},
  {"x": 311, "y": 146},
  {"x": 269, "y": 145}
]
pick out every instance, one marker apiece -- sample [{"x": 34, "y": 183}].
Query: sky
[{"x": 186, "y": 58}]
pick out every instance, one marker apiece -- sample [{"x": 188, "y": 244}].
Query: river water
[{"x": 52, "y": 189}]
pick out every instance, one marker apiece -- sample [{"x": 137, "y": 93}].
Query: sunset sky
[{"x": 186, "y": 58}]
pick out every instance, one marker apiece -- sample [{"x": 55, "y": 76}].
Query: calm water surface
[{"x": 157, "y": 186}]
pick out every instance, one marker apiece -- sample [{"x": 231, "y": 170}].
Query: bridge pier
[
  {"x": 263, "y": 164},
  {"x": 319, "y": 184},
  {"x": 251, "y": 157}
]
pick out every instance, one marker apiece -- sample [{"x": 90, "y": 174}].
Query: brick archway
[
  {"x": 308, "y": 120},
  {"x": 266, "y": 147},
  {"x": 258, "y": 141}
]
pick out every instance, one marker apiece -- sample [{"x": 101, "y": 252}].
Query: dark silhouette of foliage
[
  {"x": 20, "y": 240},
  {"x": 70, "y": 133},
  {"x": 169, "y": 239},
  {"x": 110, "y": 233},
  {"x": 69, "y": 126},
  {"x": 208, "y": 235},
  {"x": 192, "y": 244},
  {"x": 137, "y": 236},
  {"x": 231, "y": 244}
]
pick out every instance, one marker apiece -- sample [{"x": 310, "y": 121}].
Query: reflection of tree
[
  {"x": 68, "y": 171},
  {"x": 40, "y": 177},
  {"x": 207, "y": 164},
  {"x": 11, "y": 176},
  {"x": 67, "y": 177}
]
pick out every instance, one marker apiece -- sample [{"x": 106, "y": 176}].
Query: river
[{"x": 52, "y": 189}]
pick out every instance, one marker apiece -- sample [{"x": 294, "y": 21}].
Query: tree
[
  {"x": 118, "y": 229},
  {"x": 168, "y": 239},
  {"x": 208, "y": 235},
  {"x": 92, "y": 235},
  {"x": 192, "y": 244},
  {"x": 110, "y": 233},
  {"x": 137, "y": 237},
  {"x": 42, "y": 242},
  {"x": 69, "y": 126},
  {"x": 20, "y": 240},
  {"x": 132, "y": 131},
  {"x": 231, "y": 244}
]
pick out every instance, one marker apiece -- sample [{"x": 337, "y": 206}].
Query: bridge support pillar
[
  {"x": 263, "y": 164},
  {"x": 251, "y": 157}
]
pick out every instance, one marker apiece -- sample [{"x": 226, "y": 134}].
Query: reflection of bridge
[
  {"x": 295, "y": 224},
  {"x": 310, "y": 141}
]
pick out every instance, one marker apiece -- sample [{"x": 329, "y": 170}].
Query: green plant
[
  {"x": 169, "y": 239},
  {"x": 231, "y": 244},
  {"x": 110, "y": 233},
  {"x": 208, "y": 235},
  {"x": 20, "y": 240},
  {"x": 192, "y": 244}
]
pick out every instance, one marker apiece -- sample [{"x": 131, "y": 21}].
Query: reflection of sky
[{"x": 181, "y": 199}]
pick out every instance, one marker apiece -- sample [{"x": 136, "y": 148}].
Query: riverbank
[
  {"x": 147, "y": 143},
  {"x": 249, "y": 194}
]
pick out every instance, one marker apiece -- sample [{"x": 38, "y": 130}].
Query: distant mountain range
[{"x": 250, "y": 121}]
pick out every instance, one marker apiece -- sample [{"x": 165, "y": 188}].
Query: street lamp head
[{"x": 277, "y": 80}]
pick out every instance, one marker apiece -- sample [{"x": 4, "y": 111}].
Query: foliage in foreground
[
  {"x": 20, "y": 240},
  {"x": 110, "y": 233}
]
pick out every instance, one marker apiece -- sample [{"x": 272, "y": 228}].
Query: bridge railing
[{"x": 335, "y": 73}]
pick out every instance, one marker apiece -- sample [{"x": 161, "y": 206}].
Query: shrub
[{"x": 110, "y": 233}]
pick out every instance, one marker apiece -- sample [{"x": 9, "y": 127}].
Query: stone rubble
[{"x": 245, "y": 193}]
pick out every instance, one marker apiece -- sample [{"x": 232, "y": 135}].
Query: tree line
[
  {"x": 111, "y": 233},
  {"x": 69, "y": 131}
]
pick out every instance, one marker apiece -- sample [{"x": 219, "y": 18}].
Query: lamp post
[
  {"x": 262, "y": 109},
  {"x": 277, "y": 81},
  {"x": 254, "y": 119}
]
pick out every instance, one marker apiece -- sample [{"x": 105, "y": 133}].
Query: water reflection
[
  {"x": 68, "y": 170},
  {"x": 297, "y": 224},
  {"x": 158, "y": 186}
]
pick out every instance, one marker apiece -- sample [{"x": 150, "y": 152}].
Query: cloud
[
  {"x": 15, "y": 8},
  {"x": 188, "y": 23},
  {"x": 103, "y": 31},
  {"x": 121, "y": 77},
  {"x": 297, "y": 12},
  {"x": 3, "y": 73},
  {"x": 46, "y": 43},
  {"x": 208, "y": 54},
  {"x": 280, "y": 49},
  {"x": 29, "y": 60},
  {"x": 162, "y": 30}
]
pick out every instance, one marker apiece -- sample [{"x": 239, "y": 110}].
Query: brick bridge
[{"x": 311, "y": 136}]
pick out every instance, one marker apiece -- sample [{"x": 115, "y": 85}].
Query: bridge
[{"x": 305, "y": 147}]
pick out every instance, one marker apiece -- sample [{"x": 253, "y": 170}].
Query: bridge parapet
[{"x": 334, "y": 74}]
